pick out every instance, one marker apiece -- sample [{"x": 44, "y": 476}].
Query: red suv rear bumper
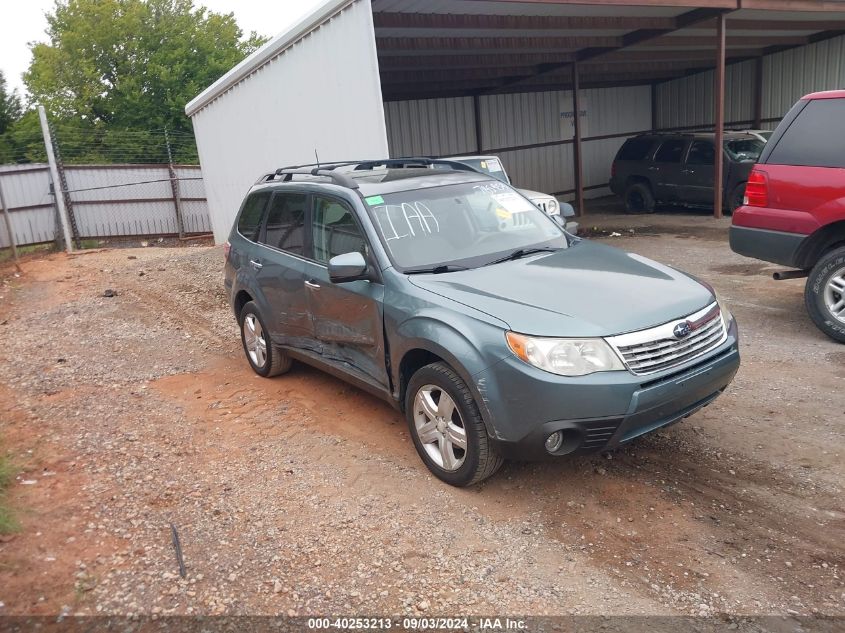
[{"x": 772, "y": 235}]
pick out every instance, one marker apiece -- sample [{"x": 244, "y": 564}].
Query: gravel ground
[{"x": 301, "y": 495}]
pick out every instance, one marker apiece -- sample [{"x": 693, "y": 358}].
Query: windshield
[
  {"x": 467, "y": 224},
  {"x": 746, "y": 149},
  {"x": 490, "y": 166}
]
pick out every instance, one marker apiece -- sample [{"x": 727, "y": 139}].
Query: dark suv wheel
[
  {"x": 638, "y": 198},
  {"x": 736, "y": 198},
  {"x": 447, "y": 428},
  {"x": 824, "y": 294}
]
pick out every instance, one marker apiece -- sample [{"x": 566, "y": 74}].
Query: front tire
[
  {"x": 265, "y": 359},
  {"x": 824, "y": 294},
  {"x": 446, "y": 427}
]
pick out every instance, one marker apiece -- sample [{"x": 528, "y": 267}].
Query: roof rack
[
  {"x": 327, "y": 170},
  {"x": 410, "y": 162}
]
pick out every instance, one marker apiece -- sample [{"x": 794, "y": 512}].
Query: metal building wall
[
  {"x": 432, "y": 127},
  {"x": 509, "y": 122},
  {"x": 293, "y": 97},
  {"x": 787, "y": 76}
]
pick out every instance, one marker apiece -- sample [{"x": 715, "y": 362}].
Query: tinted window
[
  {"x": 815, "y": 138},
  {"x": 635, "y": 149},
  {"x": 701, "y": 153},
  {"x": 670, "y": 152},
  {"x": 251, "y": 214},
  {"x": 286, "y": 222},
  {"x": 334, "y": 230}
]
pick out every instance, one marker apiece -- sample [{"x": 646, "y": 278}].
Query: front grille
[
  {"x": 658, "y": 349},
  {"x": 542, "y": 205}
]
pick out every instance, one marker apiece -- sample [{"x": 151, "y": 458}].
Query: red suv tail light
[
  {"x": 757, "y": 189},
  {"x": 226, "y": 248}
]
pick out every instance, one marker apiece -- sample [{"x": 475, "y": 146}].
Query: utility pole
[
  {"x": 174, "y": 186},
  {"x": 58, "y": 194},
  {"x": 9, "y": 227}
]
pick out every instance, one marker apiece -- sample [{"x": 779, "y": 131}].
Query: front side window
[
  {"x": 467, "y": 224},
  {"x": 670, "y": 152},
  {"x": 252, "y": 213},
  {"x": 701, "y": 153},
  {"x": 286, "y": 222},
  {"x": 334, "y": 230}
]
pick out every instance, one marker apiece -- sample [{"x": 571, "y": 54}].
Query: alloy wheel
[
  {"x": 834, "y": 295},
  {"x": 254, "y": 341},
  {"x": 440, "y": 428}
]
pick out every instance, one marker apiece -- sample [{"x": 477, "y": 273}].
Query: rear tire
[
  {"x": 446, "y": 427},
  {"x": 736, "y": 198},
  {"x": 265, "y": 359},
  {"x": 824, "y": 294},
  {"x": 638, "y": 198}
]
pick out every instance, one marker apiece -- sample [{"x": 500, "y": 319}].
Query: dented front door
[{"x": 347, "y": 317}]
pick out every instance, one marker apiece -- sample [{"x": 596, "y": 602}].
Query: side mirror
[
  {"x": 347, "y": 267},
  {"x": 567, "y": 210}
]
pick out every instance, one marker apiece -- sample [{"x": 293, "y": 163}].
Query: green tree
[
  {"x": 10, "y": 105},
  {"x": 115, "y": 68}
]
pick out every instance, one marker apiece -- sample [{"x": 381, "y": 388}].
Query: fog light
[{"x": 554, "y": 441}]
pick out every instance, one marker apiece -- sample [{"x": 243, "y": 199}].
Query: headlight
[
  {"x": 552, "y": 206},
  {"x": 726, "y": 314},
  {"x": 565, "y": 356}
]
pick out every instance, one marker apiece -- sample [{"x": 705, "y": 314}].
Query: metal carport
[{"x": 456, "y": 76}]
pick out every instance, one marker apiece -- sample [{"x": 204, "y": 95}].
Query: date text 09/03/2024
[{"x": 417, "y": 624}]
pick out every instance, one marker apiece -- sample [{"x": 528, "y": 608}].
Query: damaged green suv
[{"x": 450, "y": 295}]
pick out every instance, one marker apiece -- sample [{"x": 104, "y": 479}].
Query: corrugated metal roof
[{"x": 480, "y": 7}]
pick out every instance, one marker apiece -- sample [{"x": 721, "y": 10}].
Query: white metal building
[{"x": 370, "y": 78}]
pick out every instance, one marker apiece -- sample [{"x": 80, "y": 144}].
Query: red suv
[{"x": 794, "y": 208}]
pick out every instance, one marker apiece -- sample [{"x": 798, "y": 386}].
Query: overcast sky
[{"x": 23, "y": 21}]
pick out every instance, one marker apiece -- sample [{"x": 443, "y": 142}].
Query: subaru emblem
[{"x": 682, "y": 329}]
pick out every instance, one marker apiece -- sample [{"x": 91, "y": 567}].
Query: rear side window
[
  {"x": 670, "y": 151},
  {"x": 635, "y": 149},
  {"x": 253, "y": 211},
  {"x": 701, "y": 153},
  {"x": 286, "y": 222},
  {"x": 816, "y": 138}
]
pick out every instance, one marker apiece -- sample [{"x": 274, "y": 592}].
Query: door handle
[
  {"x": 654, "y": 168},
  {"x": 256, "y": 264},
  {"x": 312, "y": 285},
  {"x": 687, "y": 171}
]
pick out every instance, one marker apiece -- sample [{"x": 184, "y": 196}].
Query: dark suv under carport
[{"x": 652, "y": 169}]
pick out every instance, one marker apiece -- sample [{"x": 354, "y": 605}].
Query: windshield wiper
[
  {"x": 443, "y": 268},
  {"x": 522, "y": 252}
]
